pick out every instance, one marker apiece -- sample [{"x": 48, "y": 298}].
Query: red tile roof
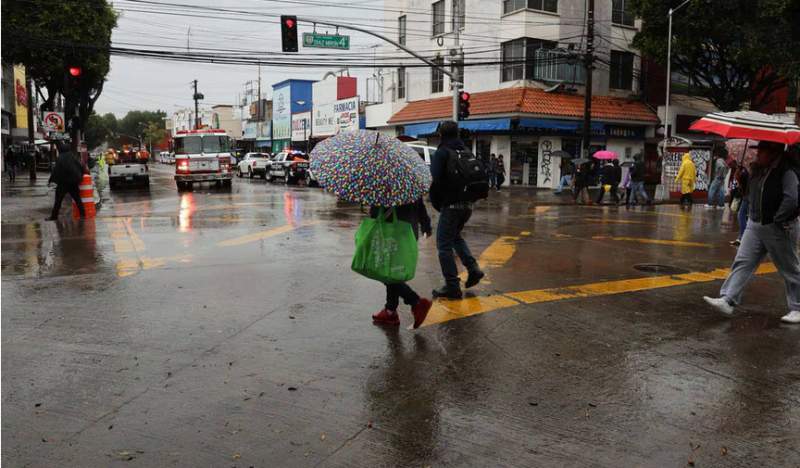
[{"x": 528, "y": 101}]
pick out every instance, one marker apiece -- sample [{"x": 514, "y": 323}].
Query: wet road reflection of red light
[
  {"x": 186, "y": 212},
  {"x": 291, "y": 208}
]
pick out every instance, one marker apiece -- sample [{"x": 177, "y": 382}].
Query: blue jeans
[
  {"x": 639, "y": 193},
  {"x": 716, "y": 194},
  {"x": 565, "y": 181},
  {"x": 743, "y": 208},
  {"x": 448, "y": 239}
]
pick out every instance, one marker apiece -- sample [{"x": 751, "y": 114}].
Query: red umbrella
[
  {"x": 605, "y": 154},
  {"x": 749, "y": 124}
]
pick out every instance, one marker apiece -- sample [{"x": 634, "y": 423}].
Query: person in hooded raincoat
[{"x": 687, "y": 176}]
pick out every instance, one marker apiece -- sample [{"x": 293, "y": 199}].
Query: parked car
[
  {"x": 253, "y": 164},
  {"x": 291, "y": 166},
  {"x": 425, "y": 152}
]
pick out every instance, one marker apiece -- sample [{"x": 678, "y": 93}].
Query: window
[
  {"x": 437, "y": 77},
  {"x": 621, "y": 70},
  {"x": 438, "y": 18},
  {"x": 513, "y": 56},
  {"x": 401, "y": 28},
  {"x": 459, "y": 13},
  {"x": 620, "y": 13},
  {"x": 401, "y": 83},
  {"x": 519, "y": 58},
  {"x": 510, "y": 6}
]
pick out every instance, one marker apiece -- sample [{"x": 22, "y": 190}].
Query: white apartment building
[{"x": 525, "y": 77}]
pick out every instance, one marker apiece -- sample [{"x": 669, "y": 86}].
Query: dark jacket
[
  {"x": 773, "y": 194},
  {"x": 414, "y": 213},
  {"x": 583, "y": 176},
  {"x": 608, "y": 174},
  {"x": 67, "y": 170},
  {"x": 441, "y": 194}
]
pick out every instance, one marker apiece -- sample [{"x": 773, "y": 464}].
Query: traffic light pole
[
  {"x": 453, "y": 79},
  {"x": 589, "y": 64},
  {"x": 196, "y": 108}
]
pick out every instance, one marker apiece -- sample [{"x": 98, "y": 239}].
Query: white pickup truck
[{"x": 128, "y": 166}]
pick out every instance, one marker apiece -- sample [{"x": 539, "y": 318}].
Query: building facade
[{"x": 521, "y": 61}]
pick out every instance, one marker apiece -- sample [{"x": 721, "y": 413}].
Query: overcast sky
[{"x": 148, "y": 84}]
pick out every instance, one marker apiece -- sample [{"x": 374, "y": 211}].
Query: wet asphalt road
[{"x": 220, "y": 329}]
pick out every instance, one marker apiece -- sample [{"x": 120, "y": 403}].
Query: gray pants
[{"x": 758, "y": 241}]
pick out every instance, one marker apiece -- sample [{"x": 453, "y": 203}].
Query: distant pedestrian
[
  {"x": 67, "y": 175},
  {"x": 626, "y": 185},
  {"x": 500, "y": 171},
  {"x": 637, "y": 181},
  {"x": 608, "y": 181},
  {"x": 567, "y": 170},
  {"x": 492, "y": 169},
  {"x": 417, "y": 215},
  {"x": 11, "y": 164},
  {"x": 716, "y": 192},
  {"x": 687, "y": 176},
  {"x": 583, "y": 175},
  {"x": 455, "y": 208},
  {"x": 772, "y": 229},
  {"x": 740, "y": 197}
]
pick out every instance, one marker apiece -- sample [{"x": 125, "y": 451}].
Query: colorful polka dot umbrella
[{"x": 368, "y": 167}]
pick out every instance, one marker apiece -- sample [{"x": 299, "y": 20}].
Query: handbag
[
  {"x": 386, "y": 251},
  {"x": 736, "y": 203}
]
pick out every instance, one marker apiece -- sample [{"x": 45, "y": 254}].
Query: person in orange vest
[{"x": 66, "y": 174}]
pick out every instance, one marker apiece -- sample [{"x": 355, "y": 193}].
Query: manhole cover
[{"x": 660, "y": 269}]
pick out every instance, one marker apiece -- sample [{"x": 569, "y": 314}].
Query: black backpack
[{"x": 467, "y": 176}]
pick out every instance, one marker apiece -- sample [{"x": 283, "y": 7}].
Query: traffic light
[
  {"x": 463, "y": 105},
  {"x": 289, "y": 33},
  {"x": 75, "y": 71}
]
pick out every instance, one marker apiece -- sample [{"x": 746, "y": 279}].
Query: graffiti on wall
[
  {"x": 672, "y": 163},
  {"x": 545, "y": 168}
]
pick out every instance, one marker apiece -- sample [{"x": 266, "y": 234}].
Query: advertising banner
[
  {"x": 335, "y": 117},
  {"x": 250, "y": 130},
  {"x": 301, "y": 126},
  {"x": 281, "y": 113},
  {"x": 20, "y": 96}
]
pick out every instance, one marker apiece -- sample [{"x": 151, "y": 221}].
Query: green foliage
[
  {"x": 49, "y": 36},
  {"x": 146, "y": 124},
  {"x": 100, "y": 129},
  {"x": 736, "y": 51}
]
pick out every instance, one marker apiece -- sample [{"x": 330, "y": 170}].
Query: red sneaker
[
  {"x": 420, "y": 311},
  {"x": 386, "y": 317}
]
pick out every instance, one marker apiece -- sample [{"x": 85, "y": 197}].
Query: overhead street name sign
[{"x": 326, "y": 41}]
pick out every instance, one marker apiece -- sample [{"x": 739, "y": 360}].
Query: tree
[
  {"x": 100, "y": 129},
  {"x": 736, "y": 51},
  {"x": 49, "y": 36},
  {"x": 142, "y": 124}
]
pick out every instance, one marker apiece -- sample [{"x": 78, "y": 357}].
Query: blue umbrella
[{"x": 368, "y": 167}]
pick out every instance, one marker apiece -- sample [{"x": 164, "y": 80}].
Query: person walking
[
  {"x": 583, "y": 174},
  {"x": 455, "y": 212},
  {"x": 626, "y": 184},
  {"x": 637, "y": 181},
  {"x": 492, "y": 169},
  {"x": 567, "y": 170},
  {"x": 716, "y": 193},
  {"x": 11, "y": 164},
  {"x": 500, "y": 173},
  {"x": 66, "y": 174},
  {"x": 773, "y": 229},
  {"x": 417, "y": 216},
  {"x": 740, "y": 195},
  {"x": 687, "y": 176},
  {"x": 608, "y": 177}
]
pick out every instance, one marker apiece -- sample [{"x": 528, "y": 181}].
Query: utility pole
[
  {"x": 196, "y": 107},
  {"x": 456, "y": 85},
  {"x": 589, "y": 65}
]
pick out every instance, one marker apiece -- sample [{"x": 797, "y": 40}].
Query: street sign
[
  {"x": 326, "y": 41},
  {"x": 53, "y": 121}
]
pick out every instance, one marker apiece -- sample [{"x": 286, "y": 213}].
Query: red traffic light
[
  {"x": 75, "y": 71},
  {"x": 289, "y": 23},
  {"x": 464, "y": 96}
]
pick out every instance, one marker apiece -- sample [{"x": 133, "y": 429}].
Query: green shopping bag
[{"x": 386, "y": 251}]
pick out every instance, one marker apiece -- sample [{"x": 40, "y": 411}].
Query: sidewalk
[{"x": 543, "y": 196}]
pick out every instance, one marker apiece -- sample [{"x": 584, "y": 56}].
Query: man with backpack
[
  {"x": 66, "y": 174},
  {"x": 459, "y": 180},
  {"x": 637, "y": 181}
]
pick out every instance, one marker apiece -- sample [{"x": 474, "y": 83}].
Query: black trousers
[
  {"x": 61, "y": 192},
  {"x": 686, "y": 199},
  {"x": 395, "y": 291},
  {"x": 614, "y": 195}
]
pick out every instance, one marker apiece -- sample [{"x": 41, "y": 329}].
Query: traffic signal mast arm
[{"x": 453, "y": 80}]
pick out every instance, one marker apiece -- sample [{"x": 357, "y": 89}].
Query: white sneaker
[
  {"x": 721, "y": 305},
  {"x": 791, "y": 317}
]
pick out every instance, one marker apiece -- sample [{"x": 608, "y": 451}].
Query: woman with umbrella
[{"x": 389, "y": 176}]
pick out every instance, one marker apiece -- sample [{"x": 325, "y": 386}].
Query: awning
[
  {"x": 485, "y": 125},
  {"x": 415, "y": 130},
  {"x": 559, "y": 125},
  {"x": 263, "y": 143}
]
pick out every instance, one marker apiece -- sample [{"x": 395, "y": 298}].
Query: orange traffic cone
[{"x": 87, "y": 198}]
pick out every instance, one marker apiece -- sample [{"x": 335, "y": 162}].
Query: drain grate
[{"x": 660, "y": 269}]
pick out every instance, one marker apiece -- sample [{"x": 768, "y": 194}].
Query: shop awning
[
  {"x": 559, "y": 125},
  {"x": 485, "y": 125},
  {"x": 263, "y": 143},
  {"x": 415, "y": 130}
]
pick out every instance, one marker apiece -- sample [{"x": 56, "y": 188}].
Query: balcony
[{"x": 552, "y": 65}]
